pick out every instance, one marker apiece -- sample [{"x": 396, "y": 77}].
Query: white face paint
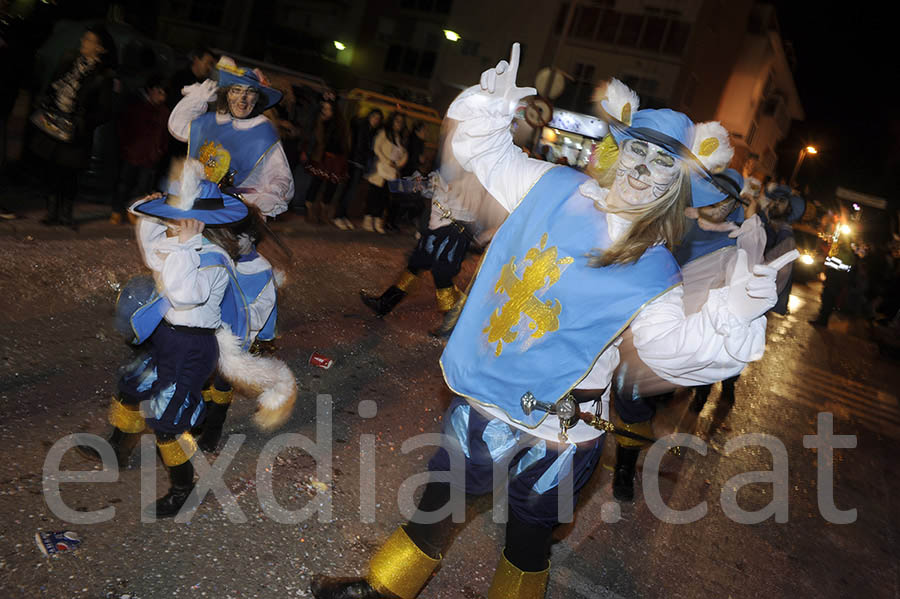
[
  {"x": 241, "y": 100},
  {"x": 644, "y": 173}
]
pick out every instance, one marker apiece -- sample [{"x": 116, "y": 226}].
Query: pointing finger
[{"x": 514, "y": 58}]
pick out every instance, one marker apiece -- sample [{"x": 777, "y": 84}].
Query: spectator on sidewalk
[
  {"x": 390, "y": 156},
  {"x": 361, "y": 158}
]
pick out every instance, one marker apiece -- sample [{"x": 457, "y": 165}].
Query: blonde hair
[{"x": 659, "y": 221}]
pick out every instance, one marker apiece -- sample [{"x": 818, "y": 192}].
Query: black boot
[
  {"x": 122, "y": 443},
  {"x": 701, "y": 394},
  {"x": 182, "y": 478},
  {"x": 323, "y": 587},
  {"x": 212, "y": 426},
  {"x": 384, "y": 303},
  {"x": 728, "y": 390},
  {"x": 623, "y": 477},
  {"x": 66, "y": 212}
]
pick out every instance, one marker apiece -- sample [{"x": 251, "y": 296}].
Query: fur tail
[{"x": 267, "y": 379}]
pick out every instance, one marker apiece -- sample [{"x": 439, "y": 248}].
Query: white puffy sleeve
[
  {"x": 194, "y": 103},
  {"x": 751, "y": 237},
  {"x": 272, "y": 183},
  {"x": 183, "y": 282},
  {"x": 705, "y": 347},
  {"x": 483, "y": 144}
]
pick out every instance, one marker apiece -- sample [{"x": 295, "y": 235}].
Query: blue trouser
[
  {"x": 535, "y": 466},
  {"x": 171, "y": 377}
]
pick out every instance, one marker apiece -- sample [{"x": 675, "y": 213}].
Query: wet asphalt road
[{"x": 58, "y": 361}]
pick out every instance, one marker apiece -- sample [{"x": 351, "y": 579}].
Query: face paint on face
[
  {"x": 644, "y": 172},
  {"x": 241, "y": 100}
]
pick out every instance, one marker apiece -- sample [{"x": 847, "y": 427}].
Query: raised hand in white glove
[
  {"x": 206, "y": 90},
  {"x": 500, "y": 81},
  {"x": 752, "y": 295}
]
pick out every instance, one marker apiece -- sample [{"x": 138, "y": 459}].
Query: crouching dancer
[{"x": 575, "y": 263}]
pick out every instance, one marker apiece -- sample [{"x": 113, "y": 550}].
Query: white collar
[
  {"x": 224, "y": 117},
  {"x": 616, "y": 225}
]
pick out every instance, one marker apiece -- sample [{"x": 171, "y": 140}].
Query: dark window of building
[
  {"x": 426, "y": 64},
  {"x": 609, "y": 25},
  {"x": 410, "y": 61},
  {"x": 585, "y": 21},
  {"x": 690, "y": 89},
  {"x": 425, "y": 5},
  {"x": 631, "y": 30},
  {"x": 408, "y": 4},
  {"x": 443, "y": 6},
  {"x": 393, "y": 59},
  {"x": 653, "y": 34},
  {"x": 679, "y": 32}
]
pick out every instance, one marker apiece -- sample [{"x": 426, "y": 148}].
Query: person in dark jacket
[
  {"x": 326, "y": 159},
  {"x": 143, "y": 142},
  {"x": 361, "y": 155},
  {"x": 79, "y": 99}
]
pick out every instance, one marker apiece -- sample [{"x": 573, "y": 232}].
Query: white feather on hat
[
  {"x": 711, "y": 146},
  {"x": 618, "y": 100}
]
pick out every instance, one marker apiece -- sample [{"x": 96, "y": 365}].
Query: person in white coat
[
  {"x": 390, "y": 156},
  {"x": 574, "y": 264}
]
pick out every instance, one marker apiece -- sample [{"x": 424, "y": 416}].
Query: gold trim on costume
[
  {"x": 405, "y": 280},
  {"x": 127, "y": 420},
  {"x": 511, "y": 583},
  {"x": 178, "y": 451},
  {"x": 223, "y": 398},
  {"x": 446, "y": 297},
  {"x": 645, "y": 429},
  {"x": 400, "y": 568}
]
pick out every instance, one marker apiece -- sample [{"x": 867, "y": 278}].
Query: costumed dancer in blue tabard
[
  {"x": 576, "y": 262},
  {"x": 707, "y": 254},
  {"x": 195, "y": 321},
  {"x": 239, "y": 146}
]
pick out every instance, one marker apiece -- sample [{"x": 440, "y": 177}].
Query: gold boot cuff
[
  {"x": 447, "y": 297},
  {"x": 511, "y": 583},
  {"x": 178, "y": 451},
  {"x": 400, "y": 568},
  {"x": 220, "y": 397},
  {"x": 127, "y": 420},
  {"x": 644, "y": 429},
  {"x": 405, "y": 281}
]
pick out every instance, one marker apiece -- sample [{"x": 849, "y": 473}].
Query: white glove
[
  {"x": 752, "y": 295},
  {"x": 500, "y": 81},
  {"x": 206, "y": 90}
]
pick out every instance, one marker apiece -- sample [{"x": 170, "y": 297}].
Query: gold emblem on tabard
[
  {"x": 541, "y": 273},
  {"x": 215, "y": 159}
]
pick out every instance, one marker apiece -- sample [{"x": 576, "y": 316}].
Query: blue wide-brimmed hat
[
  {"x": 231, "y": 74},
  {"x": 728, "y": 184},
  {"x": 797, "y": 203},
  {"x": 211, "y": 207}
]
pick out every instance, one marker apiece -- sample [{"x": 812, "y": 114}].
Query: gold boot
[
  {"x": 400, "y": 568},
  {"x": 511, "y": 583}
]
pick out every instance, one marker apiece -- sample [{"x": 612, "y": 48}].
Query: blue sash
[
  {"x": 222, "y": 147},
  {"x": 538, "y": 316},
  {"x": 234, "y": 311}
]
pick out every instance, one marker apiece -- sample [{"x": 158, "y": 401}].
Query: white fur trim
[
  {"x": 267, "y": 379},
  {"x": 615, "y": 97},
  {"x": 712, "y": 135}
]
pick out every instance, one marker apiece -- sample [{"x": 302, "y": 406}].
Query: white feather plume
[
  {"x": 722, "y": 152},
  {"x": 269, "y": 380},
  {"x": 191, "y": 175},
  {"x": 616, "y": 96}
]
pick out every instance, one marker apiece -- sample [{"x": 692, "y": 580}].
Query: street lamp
[
  {"x": 803, "y": 153},
  {"x": 451, "y": 35},
  {"x": 339, "y": 45}
]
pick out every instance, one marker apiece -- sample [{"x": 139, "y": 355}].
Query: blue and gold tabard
[
  {"x": 221, "y": 147},
  {"x": 538, "y": 316},
  {"x": 233, "y": 308},
  {"x": 252, "y": 285}
]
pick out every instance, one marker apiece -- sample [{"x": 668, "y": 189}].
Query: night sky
[{"x": 846, "y": 71}]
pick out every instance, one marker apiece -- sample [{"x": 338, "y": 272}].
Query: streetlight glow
[
  {"x": 811, "y": 150},
  {"x": 845, "y": 229},
  {"x": 451, "y": 35},
  {"x": 339, "y": 45}
]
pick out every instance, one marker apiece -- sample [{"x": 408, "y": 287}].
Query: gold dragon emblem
[
  {"x": 215, "y": 159},
  {"x": 541, "y": 273}
]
